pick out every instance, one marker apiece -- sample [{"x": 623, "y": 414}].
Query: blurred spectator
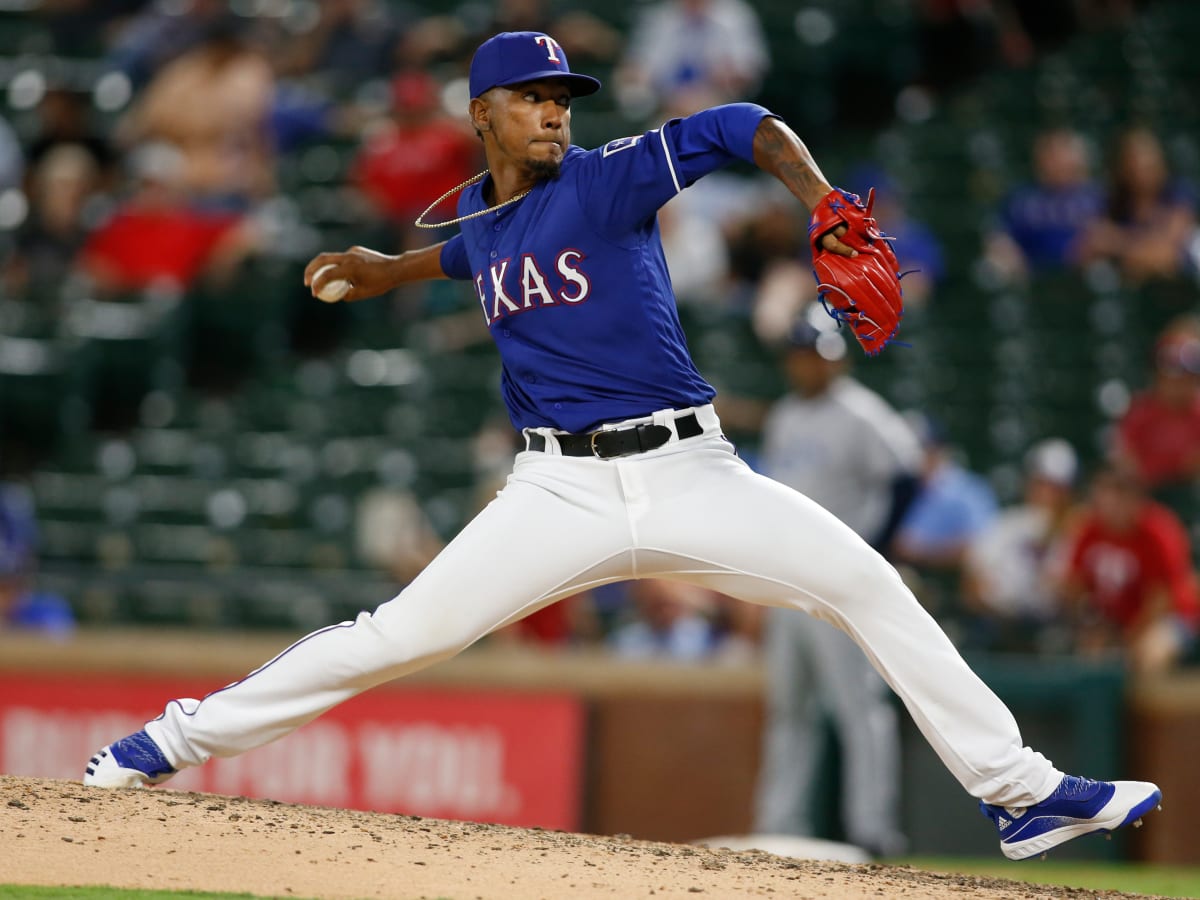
[
  {"x": 351, "y": 41},
  {"x": 1150, "y": 218},
  {"x": 1159, "y": 436},
  {"x": 63, "y": 120},
  {"x": 954, "y": 506},
  {"x": 1032, "y": 27},
  {"x": 1129, "y": 579},
  {"x": 300, "y": 115},
  {"x": 21, "y": 606},
  {"x": 956, "y": 40},
  {"x": 214, "y": 104},
  {"x": 670, "y": 623},
  {"x": 567, "y": 622},
  {"x": 159, "y": 33},
  {"x": 418, "y": 155},
  {"x": 685, "y": 55},
  {"x": 839, "y": 443},
  {"x": 12, "y": 159},
  {"x": 737, "y": 629},
  {"x": 769, "y": 231},
  {"x": 768, "y": 261},
  {"x": 18, "y": 529},
  {"x": 394, "y": 534},
  {"x": 1095, "y": 14},
  {"x": 1042, "y": 224},
  {"x": 1009, "y": 568},
  {"x": 50, "y": 239},
  {"x": 917, "y": 248},
  {"x": 844, "y": 447},
  {"x": 581, "y": 35},
  {"x": 155, "y": 238},
  {"x": 696, "y": 254},
  {"x": 79, "y": 27}
]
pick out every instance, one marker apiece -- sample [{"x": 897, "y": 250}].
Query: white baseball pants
[{"x": 690, "y": 510}]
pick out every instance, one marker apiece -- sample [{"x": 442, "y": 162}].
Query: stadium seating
[{"x": 258, "y": 417}]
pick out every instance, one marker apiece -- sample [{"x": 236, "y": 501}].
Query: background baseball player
[
  {"x": 841, "y": 444},
  {"x": 626, "y": 472}
]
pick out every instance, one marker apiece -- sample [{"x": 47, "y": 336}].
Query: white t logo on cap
[{"x": 550, "y": 44}]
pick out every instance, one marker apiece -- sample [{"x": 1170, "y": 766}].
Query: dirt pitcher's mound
[{"x": 61, "y": 833}]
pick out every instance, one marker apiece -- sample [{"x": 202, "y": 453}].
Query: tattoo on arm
[{"x": 780, "y": 152}]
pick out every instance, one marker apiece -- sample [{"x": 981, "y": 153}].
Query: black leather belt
[{"x": 611, "y": 443}]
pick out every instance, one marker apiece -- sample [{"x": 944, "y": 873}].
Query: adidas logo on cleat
[
  {"x": 95, "y": 761},
  {"x": 1078, "y": 806}
]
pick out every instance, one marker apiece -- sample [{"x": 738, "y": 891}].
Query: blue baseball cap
[{"x": 513, "y": 57}]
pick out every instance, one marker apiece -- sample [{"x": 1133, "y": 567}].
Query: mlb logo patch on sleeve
[{"x": 621, "y": 144}]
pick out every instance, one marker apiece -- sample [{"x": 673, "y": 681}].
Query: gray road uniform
[{"x": 845, "y": 449}]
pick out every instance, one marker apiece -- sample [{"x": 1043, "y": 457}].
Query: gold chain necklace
[{"x": 475, "y": 215}]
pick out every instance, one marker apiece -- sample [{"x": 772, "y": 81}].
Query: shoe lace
[{"x": 1073, "y": 786}]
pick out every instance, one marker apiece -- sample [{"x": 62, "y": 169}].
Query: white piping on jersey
[{"x": 662, "y": 135}]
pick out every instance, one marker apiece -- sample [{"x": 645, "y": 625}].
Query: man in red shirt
[
  {"x": 419, "y": 155},
  {"x": 1160, "y": 434},
  {"x": 155, "y": 238},
  {"x": 1129, "y": 578}
]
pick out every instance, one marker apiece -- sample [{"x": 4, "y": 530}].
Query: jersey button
[
  {"x": 494, "y": 254},
  {"x": 558, "y": 406},
  {"x": 496, "y": 227},
  {"x": 506, "y": 333}
]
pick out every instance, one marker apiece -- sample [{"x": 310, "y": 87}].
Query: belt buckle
[{"x": 592, "y": 442}]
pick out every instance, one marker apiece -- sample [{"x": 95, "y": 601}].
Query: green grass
[{"x": 1166, "y": 881}]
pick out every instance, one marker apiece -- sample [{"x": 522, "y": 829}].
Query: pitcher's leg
[
  {"x": 783, "y": 799},
  {"x": 755, "y": 539},
  {"x": 507, "y": 563}
]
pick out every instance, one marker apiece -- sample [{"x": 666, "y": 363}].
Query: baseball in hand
[{"x": 334, "y": 290}]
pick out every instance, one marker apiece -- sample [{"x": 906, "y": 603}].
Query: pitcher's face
[{"x": 526, "y": 124}]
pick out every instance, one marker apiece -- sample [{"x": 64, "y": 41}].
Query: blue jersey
[{"x": 573, "y": 283}]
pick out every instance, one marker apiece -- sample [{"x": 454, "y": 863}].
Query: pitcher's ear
[{"x": 480, "y": 111}]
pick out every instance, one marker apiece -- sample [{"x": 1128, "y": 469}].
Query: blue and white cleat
[
  {"x": 132, "y": 762},
  {"x": 1077, "y": 807}
]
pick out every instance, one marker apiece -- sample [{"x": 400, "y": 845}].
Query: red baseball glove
[{"x": 864, "y": 290}]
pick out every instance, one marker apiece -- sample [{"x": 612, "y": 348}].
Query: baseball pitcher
[{"x": 625, "y": 471}]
